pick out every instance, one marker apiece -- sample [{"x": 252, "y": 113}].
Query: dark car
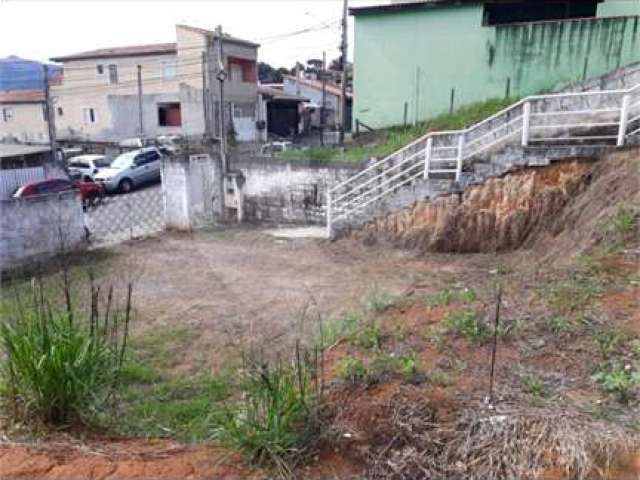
[{"x": 90, "y": 192}]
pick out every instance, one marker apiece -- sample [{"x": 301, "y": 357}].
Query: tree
[{"x": 268, "y": 74}]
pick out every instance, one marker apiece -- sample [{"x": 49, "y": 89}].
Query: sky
[{"x": 41, "y": 29}]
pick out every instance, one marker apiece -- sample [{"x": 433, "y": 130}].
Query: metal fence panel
[{"x": 11, "y": 179}]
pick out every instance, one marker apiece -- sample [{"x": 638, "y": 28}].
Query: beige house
[
  {"x": 22, "y": 117},
  {"x": 98, "y": 98}
]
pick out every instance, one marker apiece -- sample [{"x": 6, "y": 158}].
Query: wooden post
[{"x": 452, "y": 100}]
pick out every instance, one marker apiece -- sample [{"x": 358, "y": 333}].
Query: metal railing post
[
  {"x": 526, "y": 120},
  {"x": 329, "y": 206},
  {"x": 460, "y": 152},
  {"x": 624, "y": 116},
  {"x": 427, "y": 157}
]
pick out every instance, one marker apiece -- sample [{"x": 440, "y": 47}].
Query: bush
[
  {"x": 467, "y": 323},
  {"x": 57, "y": 367},
  {"x": 276, "y": 416}
]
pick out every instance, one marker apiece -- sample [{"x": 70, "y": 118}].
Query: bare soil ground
[{"x": 240, "y": 285}]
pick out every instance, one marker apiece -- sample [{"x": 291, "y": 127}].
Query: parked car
[
  {"x": 131, "y": 169},
  {"x": 275, "y": 147},
  {"x": 90, "y": 192},
  {"x": 85, "y": 167}
]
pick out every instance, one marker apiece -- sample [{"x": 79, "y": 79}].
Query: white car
[
  {"x": 85, "y": 167},
  {"x": 131, "y": 169}
]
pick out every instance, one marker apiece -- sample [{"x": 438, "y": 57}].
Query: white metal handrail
[{"x": 607, "y": 114}]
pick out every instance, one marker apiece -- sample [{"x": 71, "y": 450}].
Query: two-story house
[{"x": 111, "y": 94}]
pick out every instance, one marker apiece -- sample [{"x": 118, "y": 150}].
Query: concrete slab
[{"x": 298, "y": 232}]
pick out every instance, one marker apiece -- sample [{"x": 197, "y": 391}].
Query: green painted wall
[{"x": 419, "y": 56}]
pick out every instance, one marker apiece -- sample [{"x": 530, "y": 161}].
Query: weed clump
[{"x": 467, "y": 323}]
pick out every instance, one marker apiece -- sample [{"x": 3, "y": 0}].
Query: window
[
  {"x": 99, "y": 69},
  {"x": 242, "y": 70},
  {"x": 44, "y": 112},
  {"x": 7, "y": 114},
  {"x": 169, "y": 115},
  {"x": 89, "y": 115},
  {"x": 82, "y": 165},
  {"x": 102, "y": 163},
  {"x": 60, "y": 111},
  {"x": 113, "y": 74},
  {"x": 537, "y": 10},
  {"x": 169, "y": 70}
]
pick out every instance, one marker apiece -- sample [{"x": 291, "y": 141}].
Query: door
[{"x": 152, "y": 158}]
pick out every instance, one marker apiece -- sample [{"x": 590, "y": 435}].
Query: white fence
[
  {"x": 599, "y": 118},
  {"x": 11, "y": 179}
]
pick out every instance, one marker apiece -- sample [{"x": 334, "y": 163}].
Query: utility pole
[
  {"x": 343, "y": 106},
  {"x": 324, "y": 97},
  {"x": 50, "y": 117},
  {"x": 141, "y": 125},
  {"x": 205, "y": 109},
  {"x": 221, "y": 75}
]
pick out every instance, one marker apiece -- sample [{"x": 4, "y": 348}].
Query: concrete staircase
[{"x": 531, "y": 133}]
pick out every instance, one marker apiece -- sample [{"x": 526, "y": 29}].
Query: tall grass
[
  {"x": 61, "y": 365},
  {"x": 275, "y": 419}
]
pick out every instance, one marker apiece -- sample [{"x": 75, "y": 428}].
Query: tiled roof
[
  {"x": 332, "y": 88},
  {"x": 131, "y": 51},
  {"x": 22, "y": 96}
]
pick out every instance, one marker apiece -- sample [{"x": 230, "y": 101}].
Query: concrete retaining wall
[
  {"x": 293, "y": 191},
  {"x": 39, "y": 227}
]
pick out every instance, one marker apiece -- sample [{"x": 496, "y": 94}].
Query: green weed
[
  {"x": 378, "y": 299},
  {"x": 369, "y": 337},
  {"x": 623, "y": 222},
  {"x": 447, "y": 296},
  {"x": 560, "y": 325},
  {"x": 275, "y": 417},
  {"x": 391, "y": 364},
  {"x": 467, "y": 323},
  {"x": 608, "y": 340},
  {"x": 534, "y": 385},
  {"x": 351, "y": 369},
  {"x": 618, "y": 380}
]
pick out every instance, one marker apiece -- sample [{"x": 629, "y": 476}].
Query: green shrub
[
  {"x": 467, "y": 323},
  {"x": 618, "y": 380},
  {"x": 351, "y": 369},
  {"x": 275, "y": 417},
  {"x": 343, "y": 326}
]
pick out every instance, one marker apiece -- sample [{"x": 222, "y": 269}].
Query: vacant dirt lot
[{"x": 228, "y": 287}]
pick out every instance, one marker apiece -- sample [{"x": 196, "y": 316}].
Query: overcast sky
[{"x": 42, "y": 29}]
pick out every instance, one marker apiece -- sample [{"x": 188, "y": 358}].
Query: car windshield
[{"x": 123, "y": 160}]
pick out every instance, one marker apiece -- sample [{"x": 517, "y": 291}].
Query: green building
[{"x": 414, "y": 60}]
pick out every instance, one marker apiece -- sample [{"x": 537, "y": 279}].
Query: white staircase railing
[{"x": 605, "y": 117}]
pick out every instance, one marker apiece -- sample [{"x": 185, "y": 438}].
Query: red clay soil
[{"x": 123, "y": 460}]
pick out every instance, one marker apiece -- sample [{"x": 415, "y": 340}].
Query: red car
[{"x": 89, "y": 191}]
